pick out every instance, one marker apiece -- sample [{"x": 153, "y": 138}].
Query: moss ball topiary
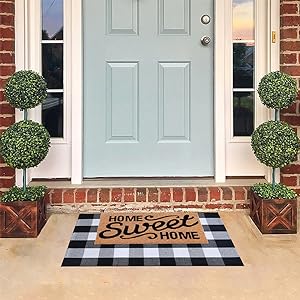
[
  {"x": 24, "y": 144},
  {"x": 275, "y": 144},
  {"x": 278, "y": 191},
  {"x": 277, "y": 90},
  {"x": 32, "y": 193},
  {"x": 25, "y": 89}
]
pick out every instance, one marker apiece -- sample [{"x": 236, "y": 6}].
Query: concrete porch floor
[{"x": 30, "y": 269}]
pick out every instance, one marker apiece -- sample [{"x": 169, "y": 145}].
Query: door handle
[{"x": 205, "y": 40}]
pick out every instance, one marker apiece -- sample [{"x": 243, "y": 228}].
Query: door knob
[{"x": 205, "y": 40}]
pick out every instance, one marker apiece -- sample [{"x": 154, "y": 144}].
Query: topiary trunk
[{"x": 25, "y": 170}]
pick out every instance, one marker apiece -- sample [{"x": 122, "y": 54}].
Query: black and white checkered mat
[{"x": 219, "y": 251}]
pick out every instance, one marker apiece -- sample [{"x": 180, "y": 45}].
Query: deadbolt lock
[{"x": 205, "y": 19}]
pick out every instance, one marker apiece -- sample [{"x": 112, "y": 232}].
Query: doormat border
[{"x": 220, "y": 250}]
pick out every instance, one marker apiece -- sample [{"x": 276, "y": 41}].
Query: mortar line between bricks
[
  {"x": 208, "y": 195},
  {"x": 184, "y": 195},
  {"x": 197, "y": 195},
  {"x": 246, "y": 194},
  {"x": 62, "y": 196},
  {"x": 122, "y": 195},
  {"x": 110, "y": 195},
  {"x": 97, "y": 195},
  {"x": 232, "y": 192},
  {"x": 86, "y": 195}
]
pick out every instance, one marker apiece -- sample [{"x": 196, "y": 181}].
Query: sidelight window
[
  {"x": 53, "y": 65},
  {"x": 243, "y": 67}
]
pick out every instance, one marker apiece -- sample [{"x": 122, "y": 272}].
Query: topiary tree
[
  {"x": 275, "y": 143},
  {"x": 26, "y": 89},
  {"x": 26, "y": 143}
]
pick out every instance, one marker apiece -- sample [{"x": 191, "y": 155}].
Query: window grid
[
  {"x": 53, "y": 65},
  {"x": 243, "y": 70}
]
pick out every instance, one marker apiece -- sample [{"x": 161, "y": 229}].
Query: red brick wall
[
  {"x": 170, "y": 198},
  {"x": 7, "y": 67},
  {"x": 290, "y": 63}
]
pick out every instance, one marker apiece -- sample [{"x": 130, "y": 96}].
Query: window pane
[
  {"x": 243, "y": 113},
  {"x": 52, "y": 114},
  {"x": 52, "y": 55},
  {"x": 52, "y": 19},
  {"x": 243, "y": 19},
  {"x": 243, "y": 65}
]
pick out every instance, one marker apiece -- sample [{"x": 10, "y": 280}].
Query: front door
[{"x": 148, "y": 88}]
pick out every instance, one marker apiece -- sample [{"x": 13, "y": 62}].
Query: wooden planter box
[
  {"x": 274, "y": 215},
  {"x": 22, "y": 219}
]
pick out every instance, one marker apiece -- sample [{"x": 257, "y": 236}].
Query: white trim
[
  {"x": 219, "y": 88},
  {"x": 274, "y": 59},
  {"x": 20, "y": 55},
  {"x": 28, "y": 56},
  {"x": 239, "y": 156},
  {"x": 20, "y": 29},
  {"x": 52, "y": 41},
  {"x": 25, "y": 53},
  {"x": 262, "y": 58},
  {"x": 77, "y": 93},
  {"x": 34, "y": 32},
  {"x": 58, "y": 162},
  {"x": 274, "y": 22},
  {"x": 261, "y": 55}
]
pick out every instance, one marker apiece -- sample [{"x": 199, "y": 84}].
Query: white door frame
[
  {"x": 28, "y": 56},
  {"x": 266, "y": 60}
]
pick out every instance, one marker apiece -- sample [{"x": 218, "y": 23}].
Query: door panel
[
  {"x": 174, "y": 16},
  {"x": 174, "y": 101},
  {"x": 122, "y": 101},
  {"x": 148, "y": 88},
  {"x": 122, "y": 16}
]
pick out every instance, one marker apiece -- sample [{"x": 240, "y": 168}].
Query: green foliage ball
[
  {"x": 24, "y": 144},
  {"x": 25, "y": 89},
  {"x": 275, "y": 144},
  {"x": 32, "y": 193},
  {"x": 277, "y": 90},
  {"x": 279, "y": 191}
]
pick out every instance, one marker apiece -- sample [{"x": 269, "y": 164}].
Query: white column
[
  {"x": 219, "y": 91},
  {"x": 77, "y": 93}
]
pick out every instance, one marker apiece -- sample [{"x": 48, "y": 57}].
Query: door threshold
[{"x": 147, "y": 182}]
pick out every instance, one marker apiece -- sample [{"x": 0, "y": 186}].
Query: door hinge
[{"x": 273, "y": 37}]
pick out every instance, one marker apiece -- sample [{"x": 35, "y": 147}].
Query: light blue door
[{"x": 148, "y": 88}]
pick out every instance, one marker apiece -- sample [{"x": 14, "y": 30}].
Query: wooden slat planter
[
  {"x": 274, "y": 215},
  {"x": 22, "y": 219}
]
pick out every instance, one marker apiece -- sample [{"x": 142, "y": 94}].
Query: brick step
[{"x": 229, "y": 197}]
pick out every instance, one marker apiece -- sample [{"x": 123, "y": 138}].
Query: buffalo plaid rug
[{"x": 219, "y": 251}]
